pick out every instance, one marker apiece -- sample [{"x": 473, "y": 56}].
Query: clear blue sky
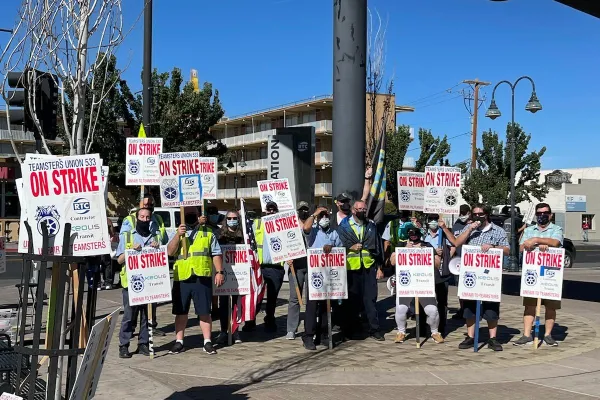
[{"x": 262, "y": 53}]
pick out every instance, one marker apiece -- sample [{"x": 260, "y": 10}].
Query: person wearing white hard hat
[{"x": 429, "y": 303}]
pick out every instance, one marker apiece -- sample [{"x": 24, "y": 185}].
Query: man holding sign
[
  {"x": 487, "y": 235},
  {"x": 542, "y": 236}
]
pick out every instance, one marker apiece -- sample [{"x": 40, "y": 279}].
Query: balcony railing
[
  {"x": 324, "y": 189},
  {"x": 323, "y": 157},
  {"x": 324, "y": 126},
  {"x": 252, "y": 165},
  {"x": 246, "y": 193}
]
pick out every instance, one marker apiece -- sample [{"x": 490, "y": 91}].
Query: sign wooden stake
[
  {"x": 296, "y": 285},
  {"x": 329, "y": 333}
]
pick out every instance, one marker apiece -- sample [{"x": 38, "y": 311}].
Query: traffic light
[{"x": 42, "y": 86}]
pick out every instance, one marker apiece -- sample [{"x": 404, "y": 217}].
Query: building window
[
  {"x": 589, "y": 220},
  {"x": 10, "y": 201}
]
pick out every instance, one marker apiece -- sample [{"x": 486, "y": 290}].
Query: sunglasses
[
  {"x": 232, "y": 218},
  {"x": 540, "y": 213},
  {"x": 479, "y": 214}
]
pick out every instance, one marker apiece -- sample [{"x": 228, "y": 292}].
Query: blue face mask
[{"x": 232, "y": 223}]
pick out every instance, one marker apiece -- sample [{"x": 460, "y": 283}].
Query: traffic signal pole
[{"x": 349, "y": 95}]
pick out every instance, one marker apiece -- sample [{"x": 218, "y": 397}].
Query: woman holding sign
[
  {"x": 230, "y": 233},
  {"x": 429, "y": 304},
  {"x": 487, "y": 235}
]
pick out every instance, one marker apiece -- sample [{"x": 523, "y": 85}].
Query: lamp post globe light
[
  {"x": 493, "y": 112},
  {"x": 230, "y": 165}
]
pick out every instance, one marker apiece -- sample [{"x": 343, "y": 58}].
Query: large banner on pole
[
  {"x": 480, "y": 274},
  {"x": 208, "y": 172},
  {"x": 411, "y": 190},
  {"x": 277, "y": 190},
  {"x": 442, "y": 190},
  {"x": 180, "y": 179},
  {"x": 65, "y": 190},
  {"x": 415, "y": 272},
  {"x": 236, "y": 265},
  {"x": 542, "y": 274},
  {"x": 283, "y": 236},
  {"x": 148, "y": 275},
  {"x": 327, "y": 274},
  {"x": 141, "y": 161}
]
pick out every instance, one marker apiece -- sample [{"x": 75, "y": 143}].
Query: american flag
[{"x": 257, "y": 288}]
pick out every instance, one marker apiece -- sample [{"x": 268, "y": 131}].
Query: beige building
[{"x": 246, "y": 136}]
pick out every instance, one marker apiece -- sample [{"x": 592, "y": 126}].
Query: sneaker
[
  {"x": 177, "y": 348},
  {"x": 467, "y": 343},
  {"x": 494, "y": 344},
  {"x": 209, "y": 349},
  {"x": 523, "y": 340},
  {"x": 143, "y": 350},
  {"x": 550, "y": 341},
  {"x": 290, "y": 336},
  {"x": 308, "y": 343},
  {"x": 221, "y": 339},
  {"x": 249, "y": 326},
  {"x": 124, "y": 352},
  {"x": 437, "y": 337},
  {"x": 236, "y": 337},
  {"x": 400, "y": 336},
  {"x": 378, "y": 336}
]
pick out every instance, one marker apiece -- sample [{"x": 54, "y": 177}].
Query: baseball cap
[
  {"x": 343, "y": 197},
  {"x": 302, "y": 204},
  {"x": 271, "y": 205}
]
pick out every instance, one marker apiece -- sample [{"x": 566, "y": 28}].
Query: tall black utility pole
[
  {"x": 349, "y": 95},
  {"x": 147, "y": 69}
]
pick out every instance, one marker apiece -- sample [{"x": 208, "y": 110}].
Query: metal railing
[
  {"x": 323, "y": 157},
  {"x": 279, "y": 107},
  {"x": 324, "y": 189},
  {"x": 323, "y": 126}
]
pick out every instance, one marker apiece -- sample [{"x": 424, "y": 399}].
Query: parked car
[{"x": 570, "y": 252}]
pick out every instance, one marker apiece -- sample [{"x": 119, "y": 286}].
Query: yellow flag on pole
[{"x": 142, "y": 132}]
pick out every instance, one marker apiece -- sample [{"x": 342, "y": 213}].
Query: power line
[
  {"x": 440, "y": 102},
  {"x": 436, "y": 94}
]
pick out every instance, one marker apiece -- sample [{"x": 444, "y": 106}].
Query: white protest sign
[
  {"x": 23, "y": 240},
  {"x": 283, "y": 236},
  {"x": 180, "y": 180},
  {"x": 236, "y": 265},
  {"x": 411, "y": 190},
  {"x": 415, "y": 272},
  {"x": 141, "y": 161},
  {"x": 8, "y": 396},
  {"x": 480, "y": 274},
  {"x": 209, "y": 169},
  {"x": 67, "y": 190},
  {"x": 88, "y": 374},
  {"x": 105, "y": 170},
  {"x": 2, "y": 255},
  {"x": 277, "y": 190},
  {"x": 148, "y": 275},
  {"x": 327, "y": 274},
  {"x": 542, "y": 274},
  {"x": 442, "y": 190}
]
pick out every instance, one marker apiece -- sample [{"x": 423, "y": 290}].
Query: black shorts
[
  {"x": 490, "y": 310},
  {"x": 197, "y": 288}
]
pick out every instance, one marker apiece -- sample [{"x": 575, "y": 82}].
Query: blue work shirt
[
  {"x": 434, "y": 238},
  {"x": 145, "y": 241},
  {"x": 552, "y": 231},
  {"x": 317, "y": 238}
]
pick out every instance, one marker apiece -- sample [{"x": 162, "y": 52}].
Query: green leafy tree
[
  {"x": 490, "y": 182},
  {"x": 433, "y": 151}
]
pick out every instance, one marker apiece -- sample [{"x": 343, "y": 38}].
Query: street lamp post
[
  {"x": 533, "y": 106},
  {"x": 230, "y": 165}
]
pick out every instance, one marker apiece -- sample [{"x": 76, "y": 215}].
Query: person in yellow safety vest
[
  {"x": 272, "y": 274},
  {"x": 192, "y": 280},
  {"x": 156, "y": 223},
  {"x": 364, "y": 262},
  {"x": 141, "y": 236}
]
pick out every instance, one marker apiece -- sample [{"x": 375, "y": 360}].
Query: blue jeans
[{"x": 126, "y": 332}]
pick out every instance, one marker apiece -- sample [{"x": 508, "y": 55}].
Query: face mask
[
  {"x": 345, "y": 207},
  {"x": 143, "y": 227},
  {"x": 543, "y": 219},
  {"x": 433, "y": 225},
  {"x": 232, "y": 223},
  {"x": 324, "y": 222},
  {"x": 214, "y": 219},
  {"x": 414, "y": 238},
  {"x": 463, "y": 218},
  {"x": 361, "y": 215},
  {"x": 481, "y": 219},
  {"x": 303, "y": 215}
]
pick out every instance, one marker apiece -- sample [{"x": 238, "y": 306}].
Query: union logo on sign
[{"x": 317, "y": 280}]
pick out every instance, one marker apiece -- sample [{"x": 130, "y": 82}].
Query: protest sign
[
  {"x": 148, "y": 275},
  {"x": 88, "y": 374},
  {"x": 542, "y": 274},
  {"x": 411, "y": 190},
  {"x": 180, "y": 179},
  {"x": 209, "y": 169},
  {"x": 2, "y": 255},
  {"x": 277, "y": 190},
  {"x": 62, "y": 190},
  {"x": 327, "y": 274},
  {"x": 480, "y": 274},
  {"x": 105, "y": 181},
  {"x": 442, "y": 190},
  {"x": 236, "y": 265},
  {"x": 141, "y": 161},
  {"x": 9, "y": 396},
  {"x": 283, "y": 236},
  {"x": 415, "y": 272}
]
